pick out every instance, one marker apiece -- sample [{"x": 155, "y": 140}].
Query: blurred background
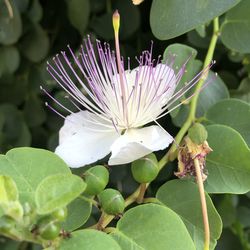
[{"x": 33, "y": 31}]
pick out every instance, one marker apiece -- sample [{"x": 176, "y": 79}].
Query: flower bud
[
  {"x": 145, "y": 169},
  {"x": 111, "y": 201},
  {"x": 60, "y": 214},
  {"x": 96, "y": 179},
  {"x": 48, "y": 228},
  {"x": 197, "y": 133}
]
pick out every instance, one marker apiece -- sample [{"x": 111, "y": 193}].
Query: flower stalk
[{"x": 199, "y": 180}]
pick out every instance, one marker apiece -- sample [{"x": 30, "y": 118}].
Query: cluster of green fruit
[{"x": 111, "y": 201}]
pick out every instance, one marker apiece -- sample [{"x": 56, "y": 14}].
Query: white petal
[
  {"x": 81, "y": 141},
  {"x": 136, "y": 143}
]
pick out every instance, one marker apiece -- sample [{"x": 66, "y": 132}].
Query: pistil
[{"x": 116, "y": 26}]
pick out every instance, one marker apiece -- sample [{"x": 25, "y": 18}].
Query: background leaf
[
  {"x": 64, "y": 188},
  {"x": 183, "y": 197},
  {"x": 78, "y": 13},
  {"x": 233, "y": 113},
  {"x": 235, "y": 30},
  {"x": 229, "y": 163},
  {"x": 142, "y": 227},
  {"x": 28, "y": 167},
  {"x": 170, "y": 18},
  {"x": 79, "y": 211},
  {"x": 89, "y": 239}
]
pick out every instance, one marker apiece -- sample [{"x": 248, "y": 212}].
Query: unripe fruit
[
  {"x": 197, "y": 133},
  {"x": 111, "y": 201},
  {"x": 60, "y": 214},
  {"x": 145, "y": 169},
  {"x": 96, "y": 179},
  {"x": 48, "y": 229}
]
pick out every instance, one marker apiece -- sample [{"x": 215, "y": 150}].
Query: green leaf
[
  {"x": 78, "y": 14},
  {"x": 102, "y": 25},
  {"x": 13, "y": 89},
  {"x": 215, "y": 91},
  {"x": 169, "y": 19},
  {"x": 14, "y": 131},
  {"x": 90, "y": 240},
  {"x": 235, "y": 30},
  {"x": 243, "y": 91},
  {"x": 228, "y": 241},
  {"x": 34, "y": 112},
  {"x": 11, "y": 26},
  {"x": 79, "y": 211},
  {"x": 35, "y": 12},
  {"x": 233, "y": 113},
  {"x": 8, "y": 189},
  {"x": 63, "y": 189},
  {"x": 229, "y": 163},
  {"x": 183, "y": 197},
  {"x": 152, "y": 226},
  {"x": 9, "y": 60},
  {"x": 226, "y": 209},
  {"x": 35, "y": 44},
  {"x": 28, "y": 167},
  {"x": 212, "y": 93}
]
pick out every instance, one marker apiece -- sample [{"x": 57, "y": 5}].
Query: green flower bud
[
  {"x": 197, "y": 133},
  {"x": 60, "y": 214},
  {"x": 111, "y": 201},
  {"x": 96, "y": 179},
  {"x": 48, "y": 228},
  {"x": 145, "y": 169}
]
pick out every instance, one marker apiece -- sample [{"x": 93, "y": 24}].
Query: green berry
[
  {"x": 60, "y": 214},
  {"x": 96, "y": 179},
  {"x": 6, "y": 224},
  {"x": 145, "y": 169},
  {"x": 111, "y": 201},
  {"x": 197, "y": 133},
  {"x": 48, "y": 228}
]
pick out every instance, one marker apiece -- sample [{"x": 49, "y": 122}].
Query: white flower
[{"x": 116, "y": 106}]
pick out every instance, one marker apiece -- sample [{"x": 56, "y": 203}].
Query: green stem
[
  {"x": 203, "y": 204},
  {"x": 140, "y": 197},
  {"x": 171, "y": 155}
]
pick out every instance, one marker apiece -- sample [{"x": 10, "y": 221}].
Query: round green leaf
[
  {"x": 13, "y": 89},
  {"x": 14, "y": 131},
  {"x": 243, "y": 91},
  {"x": 9, "y": 59},
  {"x": 215, "y": 91},
  {"x": 34, "y": 112},
  {"x": 152, "y": 226},
  {"x": 90, "y": 240},
  {"x": 233, "y": 113},
  {"x": 78, "y": 14},
  {"x": 11, "y": 27},
  {"x": 28, "y": 167},
  {"x": 57, "y": 191},
  {"x": 35, "y": 44},
  {"x": 79, "y": 211},
  {"x": 35, "y": 12},
  {"x": 183, "y": 197},
  {"x": 235, "y": 30},
  {"x": 229, "y": 163},
  {"x": 169, "y": 19}
]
